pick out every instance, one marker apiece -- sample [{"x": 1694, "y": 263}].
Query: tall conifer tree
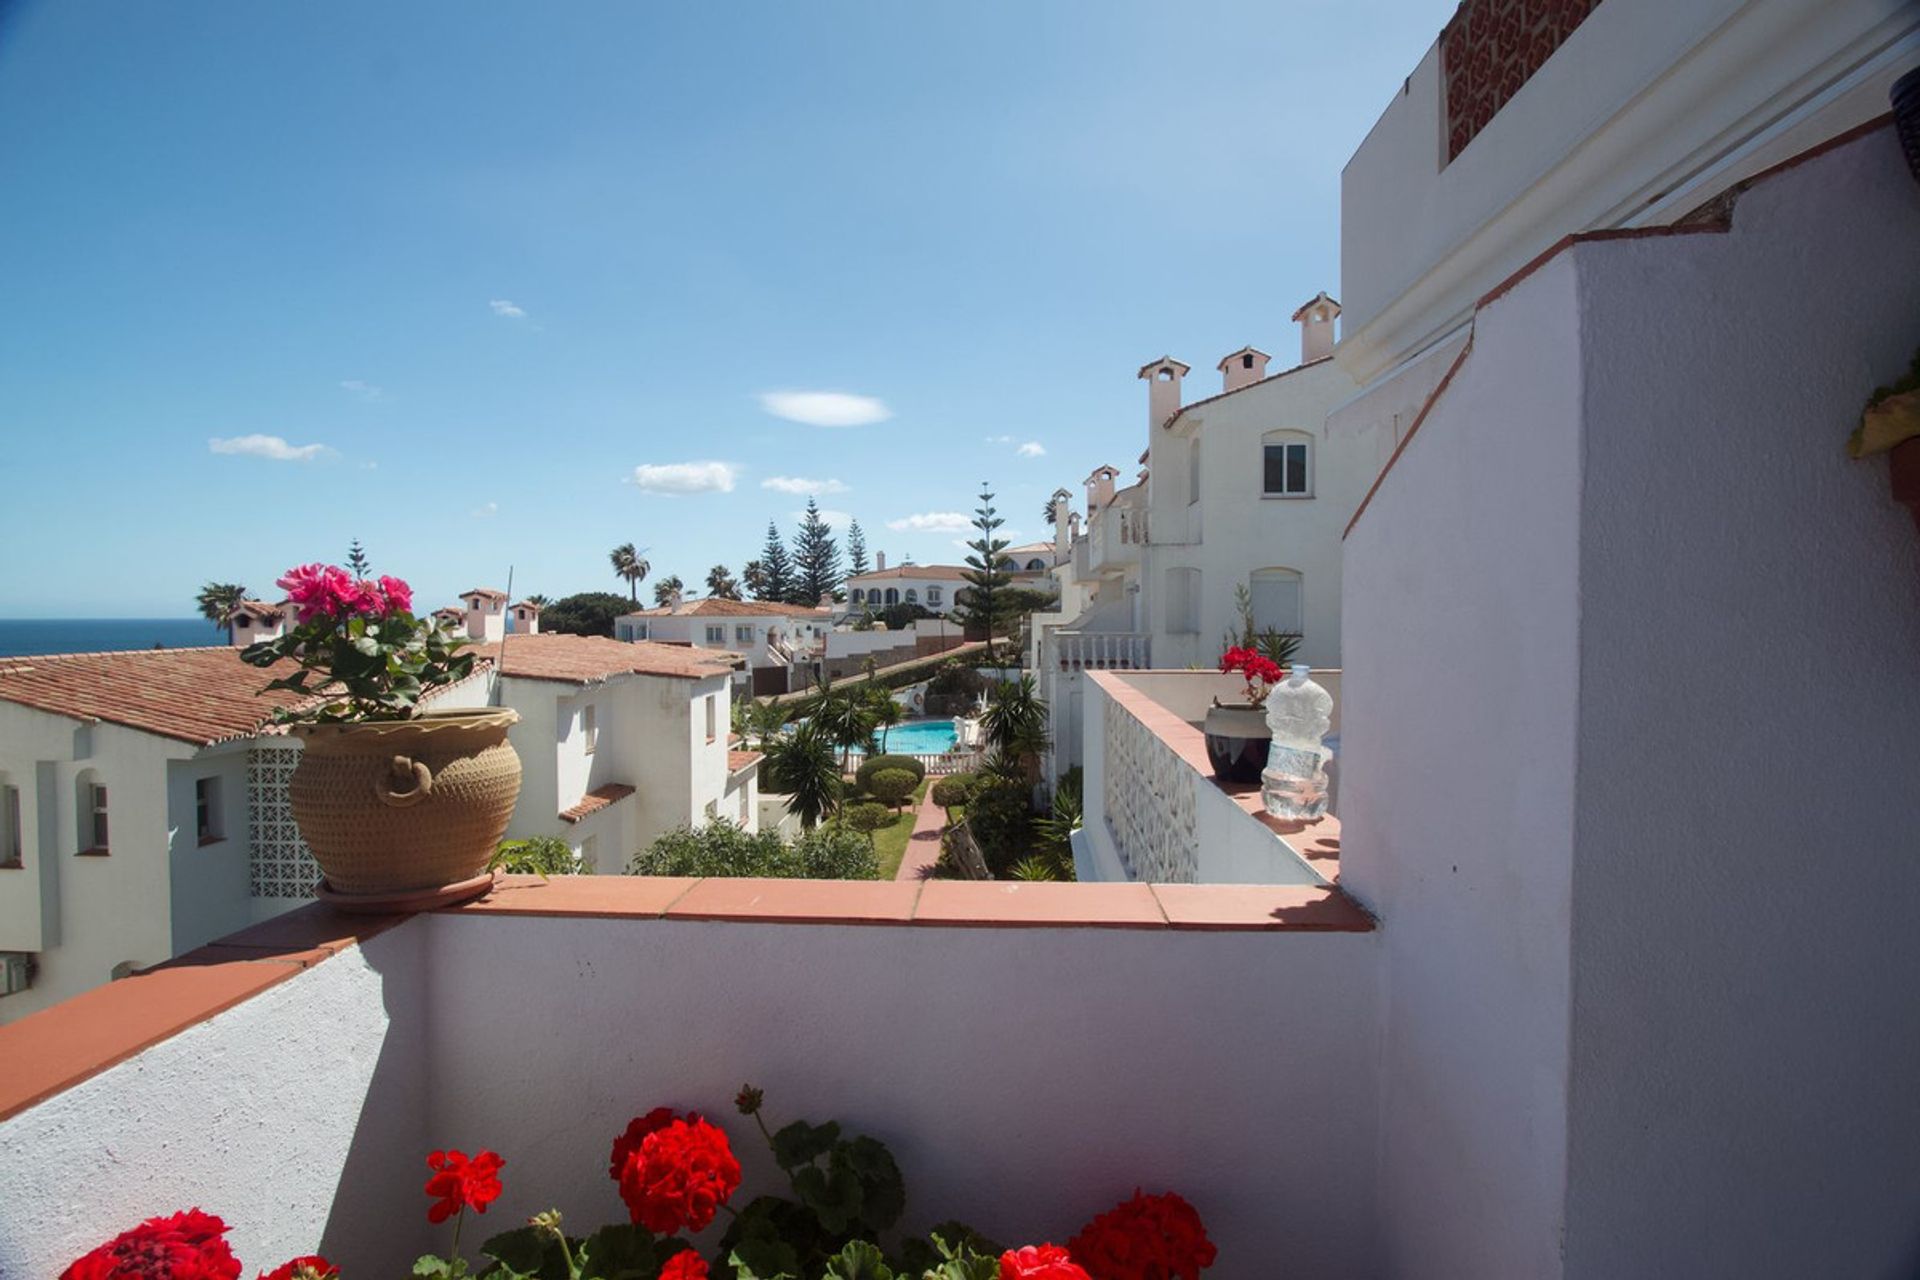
[
  {"x": 776, "y": 569},
  {"x": 988, "y": 573},
  {"x": 857, "y": 562},
  {"x": 816, "y": 558}
]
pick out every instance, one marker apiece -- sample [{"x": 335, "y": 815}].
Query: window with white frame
[
  {"x": 1286, "y": 465},
  {"x": 913, "y": 597},
  {"x": 1278, "y": 601},
  {"x": 893, "y": 595},
  {"x": 209, "y": 818},
  {"x": 589, "y": 728},
  {"x": 713, "y": 716},
  {"x": 12, "y": 850},
  {"x": 90, "y": 809},
  {"x": 1183, "y": 601},
  {"x": 933, "y": 595},
  {"x": 859, "y": 596},
  {"x": 743, "y": 633},
  {"x": 716, "y": 633}
]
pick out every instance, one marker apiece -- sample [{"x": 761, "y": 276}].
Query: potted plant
[
  {"x": 401, "y": 807},
  {"x": 1237, "y": 733}
]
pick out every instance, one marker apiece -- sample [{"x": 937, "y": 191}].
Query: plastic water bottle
[{"x": 1299, "y": 713}]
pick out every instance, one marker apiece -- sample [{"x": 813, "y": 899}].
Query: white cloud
[
  {"x": 825, "y": 408},
  {"x": 365, "y": 390},
  {"x": 932, "y": 522},
  {"x": 802, "y": 485},
  {"x": 274, "y": 447},
  {"x": 833, "y": 519},
  {"x": 486, "y": 510},
  {"x": 501, "y": 307},
  {"x": 1032, "y": 449},
  {"x": 685, "y": 477}
]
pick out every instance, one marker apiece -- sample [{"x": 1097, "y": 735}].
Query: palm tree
[
  {"x": 764, "y": 720},
  {"x": 631, "y": 565},
  {"x": 845, "y": 719},
  {"x": 801, "y": 766},
  {"x": 885, "y": 711},
  {"x": 538, "y": 601},
  {"x": 1015, "y": 723},
  {"x": 217, "y": 601}
]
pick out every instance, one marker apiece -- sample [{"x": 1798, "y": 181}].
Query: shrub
[
  {"x": 718, "y": 849},
  {"x": 591, "y": 613},
  {"x": 831, "y": 853},
  {"x": 893, "y": 787},
  {"x": 1002, "y": 823},
  {"x": 867, "y": 818},
  {"x": 874, "y": 764},
  {"x": 540, "y": 856},
  {"x": 954, "y": 789},
  {"x": 955, "y": 679}
]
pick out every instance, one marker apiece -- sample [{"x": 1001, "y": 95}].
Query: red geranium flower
[
  {"x": 673, "y": 1173},
  {"x": 1146, "y": 1238},
  {"x": 311, "y": 1267},
  {"x": 1040, "y": 1262},
  {"x": 685, "y": 1265},
  {"x": 186, "y": 1246},
  {"x": 461, "y": 1183}
]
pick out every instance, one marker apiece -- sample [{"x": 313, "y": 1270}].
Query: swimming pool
[{"x": 919, "y": 738}]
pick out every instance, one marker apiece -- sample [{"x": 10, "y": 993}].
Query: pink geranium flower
[{"x": 399, "y": 595}]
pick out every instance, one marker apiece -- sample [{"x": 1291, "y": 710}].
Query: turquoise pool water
[{"x": 920, "y": 737}]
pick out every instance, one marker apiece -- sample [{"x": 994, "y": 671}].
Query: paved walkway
[{"x": 923, "y": 846}]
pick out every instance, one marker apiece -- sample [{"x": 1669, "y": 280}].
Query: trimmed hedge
[{"x": 874, "y": 764}]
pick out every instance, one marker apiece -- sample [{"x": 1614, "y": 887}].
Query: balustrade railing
[
  {"x": 1100, "y": 650},
  {"x": 1149, "y": 796}
]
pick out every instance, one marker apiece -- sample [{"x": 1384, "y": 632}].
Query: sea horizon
[{"x": 35, "y": 637}]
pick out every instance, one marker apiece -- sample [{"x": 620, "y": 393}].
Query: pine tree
[
  {"x": 816, "y": 558},
  {"x": 856, "y": 551},
  {"x": 988, "y": 572},
  {"x": 776, "y": 569},
  {"x": 357, "y": 562}
]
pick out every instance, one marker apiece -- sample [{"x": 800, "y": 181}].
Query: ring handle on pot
[{"x": 405, "y": 782}]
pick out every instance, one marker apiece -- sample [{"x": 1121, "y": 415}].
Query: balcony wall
[
  {"x": 1031, "y": 1053},
  {"x": 1155, "y": 812}
]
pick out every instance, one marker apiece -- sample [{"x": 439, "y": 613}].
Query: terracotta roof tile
[
  {"x": 491, "y": 593},
  {"x": 944, "y": 572},
  {"x": 194, "y": 695},
  {"x": 739, "y": 760},
  {"x": 596, "y": 800},
  {"x": 592, "y": 659}
]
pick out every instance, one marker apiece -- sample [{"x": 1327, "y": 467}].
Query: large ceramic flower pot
[
  {"x": 1237, "y": 740},
  {"x": 406, "y": 814}
]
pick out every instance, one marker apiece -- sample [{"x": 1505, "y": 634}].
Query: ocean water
[{"x": 100, "y": 635}]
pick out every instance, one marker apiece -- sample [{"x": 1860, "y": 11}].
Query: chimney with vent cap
[
  {"x": 1243, "y": 368},
  {"x": 1316, "y": 317},
  {"x": 879, "y": 561},
  {"x": 1163, "y": 388}
]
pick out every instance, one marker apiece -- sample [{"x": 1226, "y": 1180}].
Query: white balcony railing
[{"x": 1100, "y": 650}]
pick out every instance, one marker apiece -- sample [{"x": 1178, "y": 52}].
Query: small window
[
  {"x": 713, "y": 716},
  {"x": 893, "y": 595},
  {"x": 11, "y": 847},
  {"x": 933, "y": 595},
  {"x": 1277, "y": 601},
  {"x": 1286, "y": 472},
  {"x": 93, "y": 815},
  {"x": 589, "y": 727},
  {"x": 1246, "y": 362},
  {"x": 913, "y": 597},
  {"x": 1193, "y": 469},
  {"x": 208, "y": 819},
  {"x": 743, "y": 634}
]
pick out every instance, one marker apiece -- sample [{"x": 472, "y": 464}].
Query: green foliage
[
  {"x": 875, "y": 764},
  {"x": 373, "y": 668},
  {"x": 539, "y": 856},
  {"x": 1015, "y": 724},
  {"x": 722, "y": 849},
  {"x": 867, "y": 818},
  {"x": 776, "y": 569},
  {"x": 1001, "y": 822},
  {"x": 590, "y": 613},
  {"x": 953, "y": 790},
  {"x": 631, "y": 567},
  {"x": 856, "y": 550},
  {"x": 1032, "y": 868},
  {"x": 899, "y": 617},
  {"x": 801, "y": 765},
  {"x": 218, "y": 600},
  {"x": 357, "y": 562},
  {"x": 816, "y": 558},
  {"x": 1054, "y": 832},
  {"x": 721, "y": 585},
  {"x": 664, "y": 589},
  {"x": 762, "y": 719},
  {"x": 830, "y": 853},
  {"x": 988, "y": 572},
  {"x": 893, "y": 787},
  {"x": 955, "y": 679},
  {"x": 1277, "y": 646}
]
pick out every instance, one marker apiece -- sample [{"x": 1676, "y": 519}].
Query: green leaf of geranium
[
  {"x": 428, "y": 1265},
  {"x": 758, "y": 1260},
  {"x": 883, "y": 1192},
  {"x": 802, "y": 1143},
  {"x": 526, "y": 1251},
  {"x": 833, "y": 1194},
  {"x": 859, "y": 1260},
  {"x": 618, "y": 1252}
]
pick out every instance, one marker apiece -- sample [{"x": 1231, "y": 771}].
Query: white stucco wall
[
  {"x": 1245, "y": 1082},
  {"x": 209, "y": 883},
  {"x": 299, "y": 1116},
  {"x": 1458, "y": 734},
  {"x": 1745, "y": 1044}
]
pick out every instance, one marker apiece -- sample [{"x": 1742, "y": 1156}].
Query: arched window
[
  {"x": 893, "y": 595},
  {"x": 913, "y": 597},
  {"x": 1286, "y": 464},
  {"x": 90, "y": 812},
  {"x": 12, "y": 850},
  {"x": 1036, "y": 565},
  {"x": 859, "y": 596},
  {"x": 1279, "y": 602}
]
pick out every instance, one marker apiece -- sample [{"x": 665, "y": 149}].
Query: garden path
[{"x": 923, "y": 846}]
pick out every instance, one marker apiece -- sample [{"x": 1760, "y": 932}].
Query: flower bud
[{"x": 748, "y": 1100}]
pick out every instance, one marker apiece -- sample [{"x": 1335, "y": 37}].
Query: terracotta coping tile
[
  {"x": 1001, "y": 903},
  {"x": 1248, "y": 906},
  {"x": 799, "y": 901},
  {"x": 316, "y": 927},
  {"x": 58, "y": 1047},
  {"x": 579, "y": 896}
]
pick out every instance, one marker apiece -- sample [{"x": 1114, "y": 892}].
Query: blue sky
[{"x": 476, "y": 283}]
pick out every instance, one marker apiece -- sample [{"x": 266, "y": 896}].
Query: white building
[
  {"x": 934, "y": 587},
  {"x": 142, "y": 813},
  {"x": 773, "y": 639},
  {"x": 621, "y": 742},
  {"x": 1241, "y": 490},
  {"x": 255, "y": 620},
  {"x": 486, "y": 613}
]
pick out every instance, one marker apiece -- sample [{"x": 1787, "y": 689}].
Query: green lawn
[{"x": 890, "y": 842}]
